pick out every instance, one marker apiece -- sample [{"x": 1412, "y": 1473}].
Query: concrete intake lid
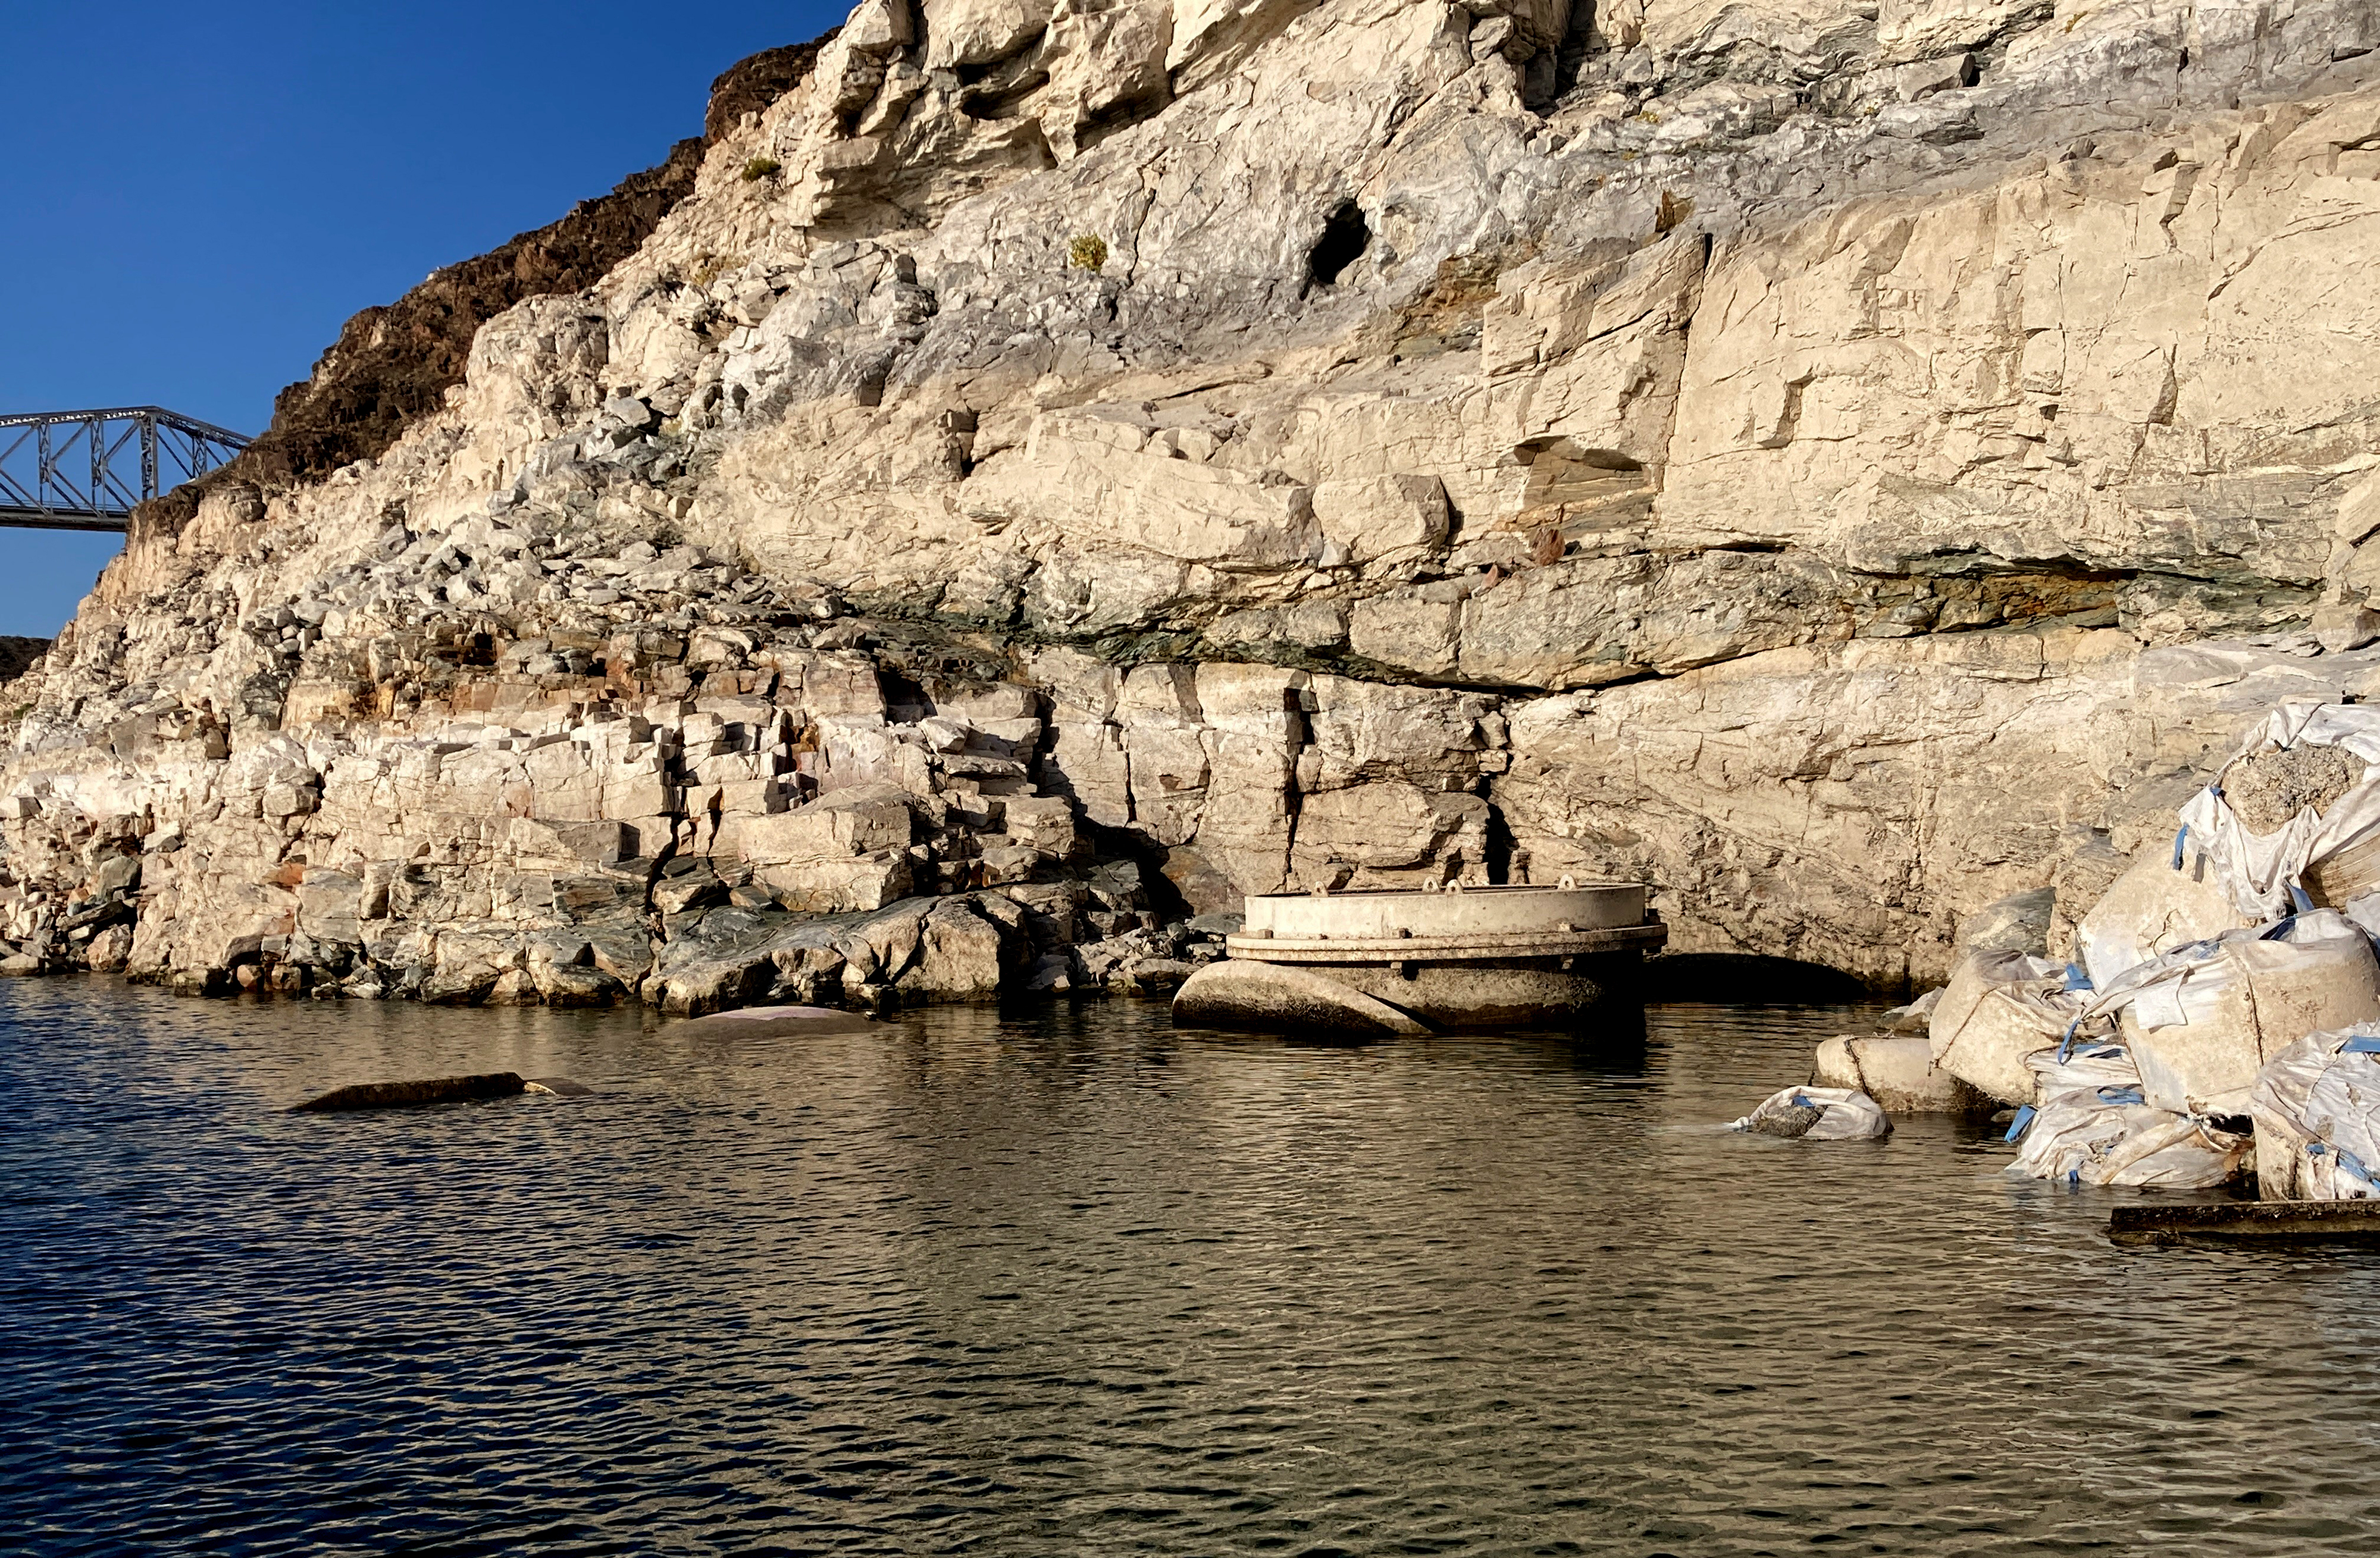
[{"x": 1464, "y": 911}]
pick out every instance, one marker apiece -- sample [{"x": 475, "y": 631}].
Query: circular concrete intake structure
[{"x": 1417, "y": 963}]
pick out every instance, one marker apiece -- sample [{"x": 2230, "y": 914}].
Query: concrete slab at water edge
[
  {"x": 2244, "y": 1221},
  {"x": 1478, "y": 958},
  {"x": 1285, "y": 999}
]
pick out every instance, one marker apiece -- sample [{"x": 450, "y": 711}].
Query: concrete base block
[{"x": 1899, "y": 1073}]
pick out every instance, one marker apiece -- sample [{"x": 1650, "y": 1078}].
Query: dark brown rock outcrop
[{"x": 392, "y": 364}]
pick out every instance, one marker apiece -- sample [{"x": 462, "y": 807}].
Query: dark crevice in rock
[
  {"x": 1345, "y": 236},
  {"x": 1122, "y": 115},
  {"x": 1005, "y": 102},
  {"x": 1741, "y": 978}
]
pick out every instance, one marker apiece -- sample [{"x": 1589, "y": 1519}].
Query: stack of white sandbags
[
  {"x": 2209, "y": 963},
  {"x": 2096, "y": 1126}
]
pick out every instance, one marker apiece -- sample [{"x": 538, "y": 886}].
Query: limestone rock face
[{"x": 1032, "y": 472}]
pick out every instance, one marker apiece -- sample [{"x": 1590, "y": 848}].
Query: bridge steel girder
[{"x": 98, "y": 491}]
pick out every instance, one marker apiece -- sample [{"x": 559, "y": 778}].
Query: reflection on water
[{"x": 1074, "y": 1282}]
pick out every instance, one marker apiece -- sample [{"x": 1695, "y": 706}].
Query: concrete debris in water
[{"x": 2195, "y": 1037}]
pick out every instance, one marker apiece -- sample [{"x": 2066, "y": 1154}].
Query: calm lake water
[{"x": 1076, "y": 1281}]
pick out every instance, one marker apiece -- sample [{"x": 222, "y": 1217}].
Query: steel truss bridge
[{"x": 84, "y": 470}]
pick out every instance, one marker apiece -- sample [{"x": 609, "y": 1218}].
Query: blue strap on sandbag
[
  {"x": 2017, "y": 1126},
  {"x": 2298, "y": 900},
  {"x": 2117, "y": 1093},
  {"x": 2279, "y": 928},
  {"x": 2179, "y": 839},
  {"x": 2066, "y": 1044},
  {"x": 2355, "y": 1166},
  {"x": 2076, "y": 979},
  {"x": 2361, "y": 1044}
]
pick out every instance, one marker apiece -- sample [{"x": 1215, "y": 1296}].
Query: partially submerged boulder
[
  {"x": 1899, "y": 1073},
  {"x": 415, "y": 1094},
  {"x": 775, "y": 1022}
]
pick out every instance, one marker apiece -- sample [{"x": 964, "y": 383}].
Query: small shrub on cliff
[
  {"x": 709, "y": 268},
  {"x": 1087, "y": 252},
  {"x": 759, "y": 168}
]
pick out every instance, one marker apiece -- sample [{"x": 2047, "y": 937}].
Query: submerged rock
[
  {"x": 414, "y": 1094},
  {"x": 771, "y": 1022}
]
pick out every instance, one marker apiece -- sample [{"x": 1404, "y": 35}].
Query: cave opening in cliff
[{"x": 1345, "y": 236}]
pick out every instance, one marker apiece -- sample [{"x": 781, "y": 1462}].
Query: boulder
[
  {"x": 960, "y": 956},
  {"x": 2018, "y": 923},
  {"x": 847, "y": 849},
  {"x": 1897, "y": 1072},
  {"x": 775, "y": 1022},
  {"x": 414, "y": 1094}
]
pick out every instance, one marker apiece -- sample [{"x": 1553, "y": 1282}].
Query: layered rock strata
[{"x": 1031, "y": 476}]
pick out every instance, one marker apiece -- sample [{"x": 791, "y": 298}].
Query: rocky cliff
[{"x": 1032, "y": 473}]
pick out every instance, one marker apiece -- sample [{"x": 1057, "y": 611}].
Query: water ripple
[{"x": 1079, "y": 1283}]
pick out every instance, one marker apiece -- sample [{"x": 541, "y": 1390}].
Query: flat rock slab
[
  {"x": 2236, "y": 1222},
  {"x": 413, "y": 1095},
  {"x": 1284, "y": 999},
  {"x": 770, "y": 1022}
]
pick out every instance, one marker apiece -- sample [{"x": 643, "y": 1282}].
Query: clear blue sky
[{"x": 193, "y": 197}]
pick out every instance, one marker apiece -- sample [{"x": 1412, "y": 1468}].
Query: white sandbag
[
  {"x": 1997, "y": 1009},
  {"x": 2073, "y": 1069},
  {"x": 2080, "y": 1068},
  {"x": 1817, "y": 1114},
  {"x": 2109, "y": 1135},
  {"x": 2160, "y": 902},
  {"x": 2317, "y": 1113},
  {"x": 2260, "y": 871},
  {"x": 2203, "y": 1019}
]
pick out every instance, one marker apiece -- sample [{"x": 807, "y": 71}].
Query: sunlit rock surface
[{"x": 1030, "y": 477}]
